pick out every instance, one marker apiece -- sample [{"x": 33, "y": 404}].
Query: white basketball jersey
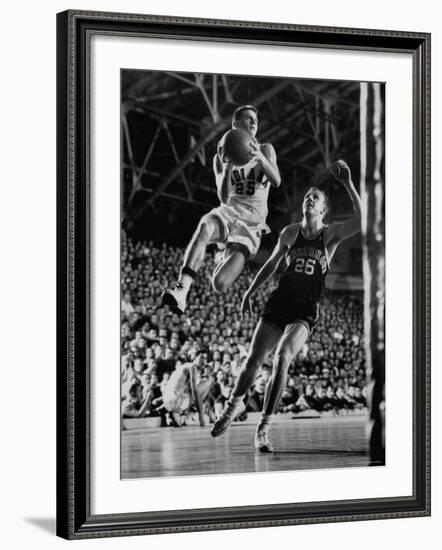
[
  {"x": 178, "y": 381},
  {"x": 249, "y": 187}
]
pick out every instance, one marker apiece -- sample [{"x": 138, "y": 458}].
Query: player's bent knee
[{"x": 220, "y": 283}]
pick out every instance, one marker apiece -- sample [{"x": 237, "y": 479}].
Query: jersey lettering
[
  {"x": 262, "y": 179},
  {"x": 306, "y": 266},
  {"x": 246, "y": 184},
  {"x": 248, "y": 189},
  {"x": 310, "y": 255},
  {"x": 236, "y": 176},
  {"x": 239, "y": 187},
  {"x": 303, "y": 280}
]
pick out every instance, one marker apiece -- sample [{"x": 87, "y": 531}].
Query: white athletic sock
[
  {"x": 186, "y": 281},
  {"x": 236, "y": 400},
  {"x": 264, "y": 422}
]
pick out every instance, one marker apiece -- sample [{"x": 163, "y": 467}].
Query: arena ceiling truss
[{"x": 172, "y": 122}]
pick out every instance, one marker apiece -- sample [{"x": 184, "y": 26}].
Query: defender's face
[
  {"x": 248, "y": 121},
  {"x": 314, "y": 203},
  {"x": 200, "y": 361}
]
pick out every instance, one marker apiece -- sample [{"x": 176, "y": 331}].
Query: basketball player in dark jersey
[
  {"x": 240, "y": 220},
  {"x": 292, "y": 309}
]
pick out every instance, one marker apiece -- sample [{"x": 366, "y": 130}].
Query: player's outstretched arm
[
  {"x": 222, "y": 169},
  {"x": 265, "y": 156},
  {"x": 267, "y": 270},
  {"x": 340, "y": 231}
]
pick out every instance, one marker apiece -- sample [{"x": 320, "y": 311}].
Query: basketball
[{"x": 235, "y": 145}]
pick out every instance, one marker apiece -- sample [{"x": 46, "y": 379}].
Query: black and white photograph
[
  {"x": 243, "y": 275},
  {"x": 224, "y": 221},
  {"x": 252, "y": 292}
]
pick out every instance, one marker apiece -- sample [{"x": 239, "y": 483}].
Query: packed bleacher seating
[{"x": 328, "y": 375}]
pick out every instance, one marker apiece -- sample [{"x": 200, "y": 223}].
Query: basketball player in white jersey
[
  {"x": 239, "y": 222},
  {"x": 292, "y": 309},
  {"x": 182, "y": 390}
]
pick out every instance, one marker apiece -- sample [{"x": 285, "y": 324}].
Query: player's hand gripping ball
[{"x": 236, "y": 146}]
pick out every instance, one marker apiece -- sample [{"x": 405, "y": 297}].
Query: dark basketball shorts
[{"x": 281, "y": 316}]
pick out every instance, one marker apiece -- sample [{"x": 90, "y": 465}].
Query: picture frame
[{"x": 75, "y": 520}]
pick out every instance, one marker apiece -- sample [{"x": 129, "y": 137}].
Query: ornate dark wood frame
[{"x": 74, "y": 30}]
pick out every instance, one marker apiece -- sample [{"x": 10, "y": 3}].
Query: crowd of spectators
[{"x": 327, "y": 375}]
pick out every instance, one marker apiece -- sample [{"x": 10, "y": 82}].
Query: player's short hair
[
  {"x": 237, "y": 112},
  {"x": 200, "y": 351}
]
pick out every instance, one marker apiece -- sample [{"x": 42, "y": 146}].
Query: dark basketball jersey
[{"x": 303, "y": 280}]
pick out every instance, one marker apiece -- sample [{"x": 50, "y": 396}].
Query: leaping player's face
[
  {"x": 314, "y": 203},
  {"x": 248, "y": 121}
]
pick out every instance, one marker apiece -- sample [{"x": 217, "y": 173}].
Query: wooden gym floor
[{"x": 302, "y": 443}]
